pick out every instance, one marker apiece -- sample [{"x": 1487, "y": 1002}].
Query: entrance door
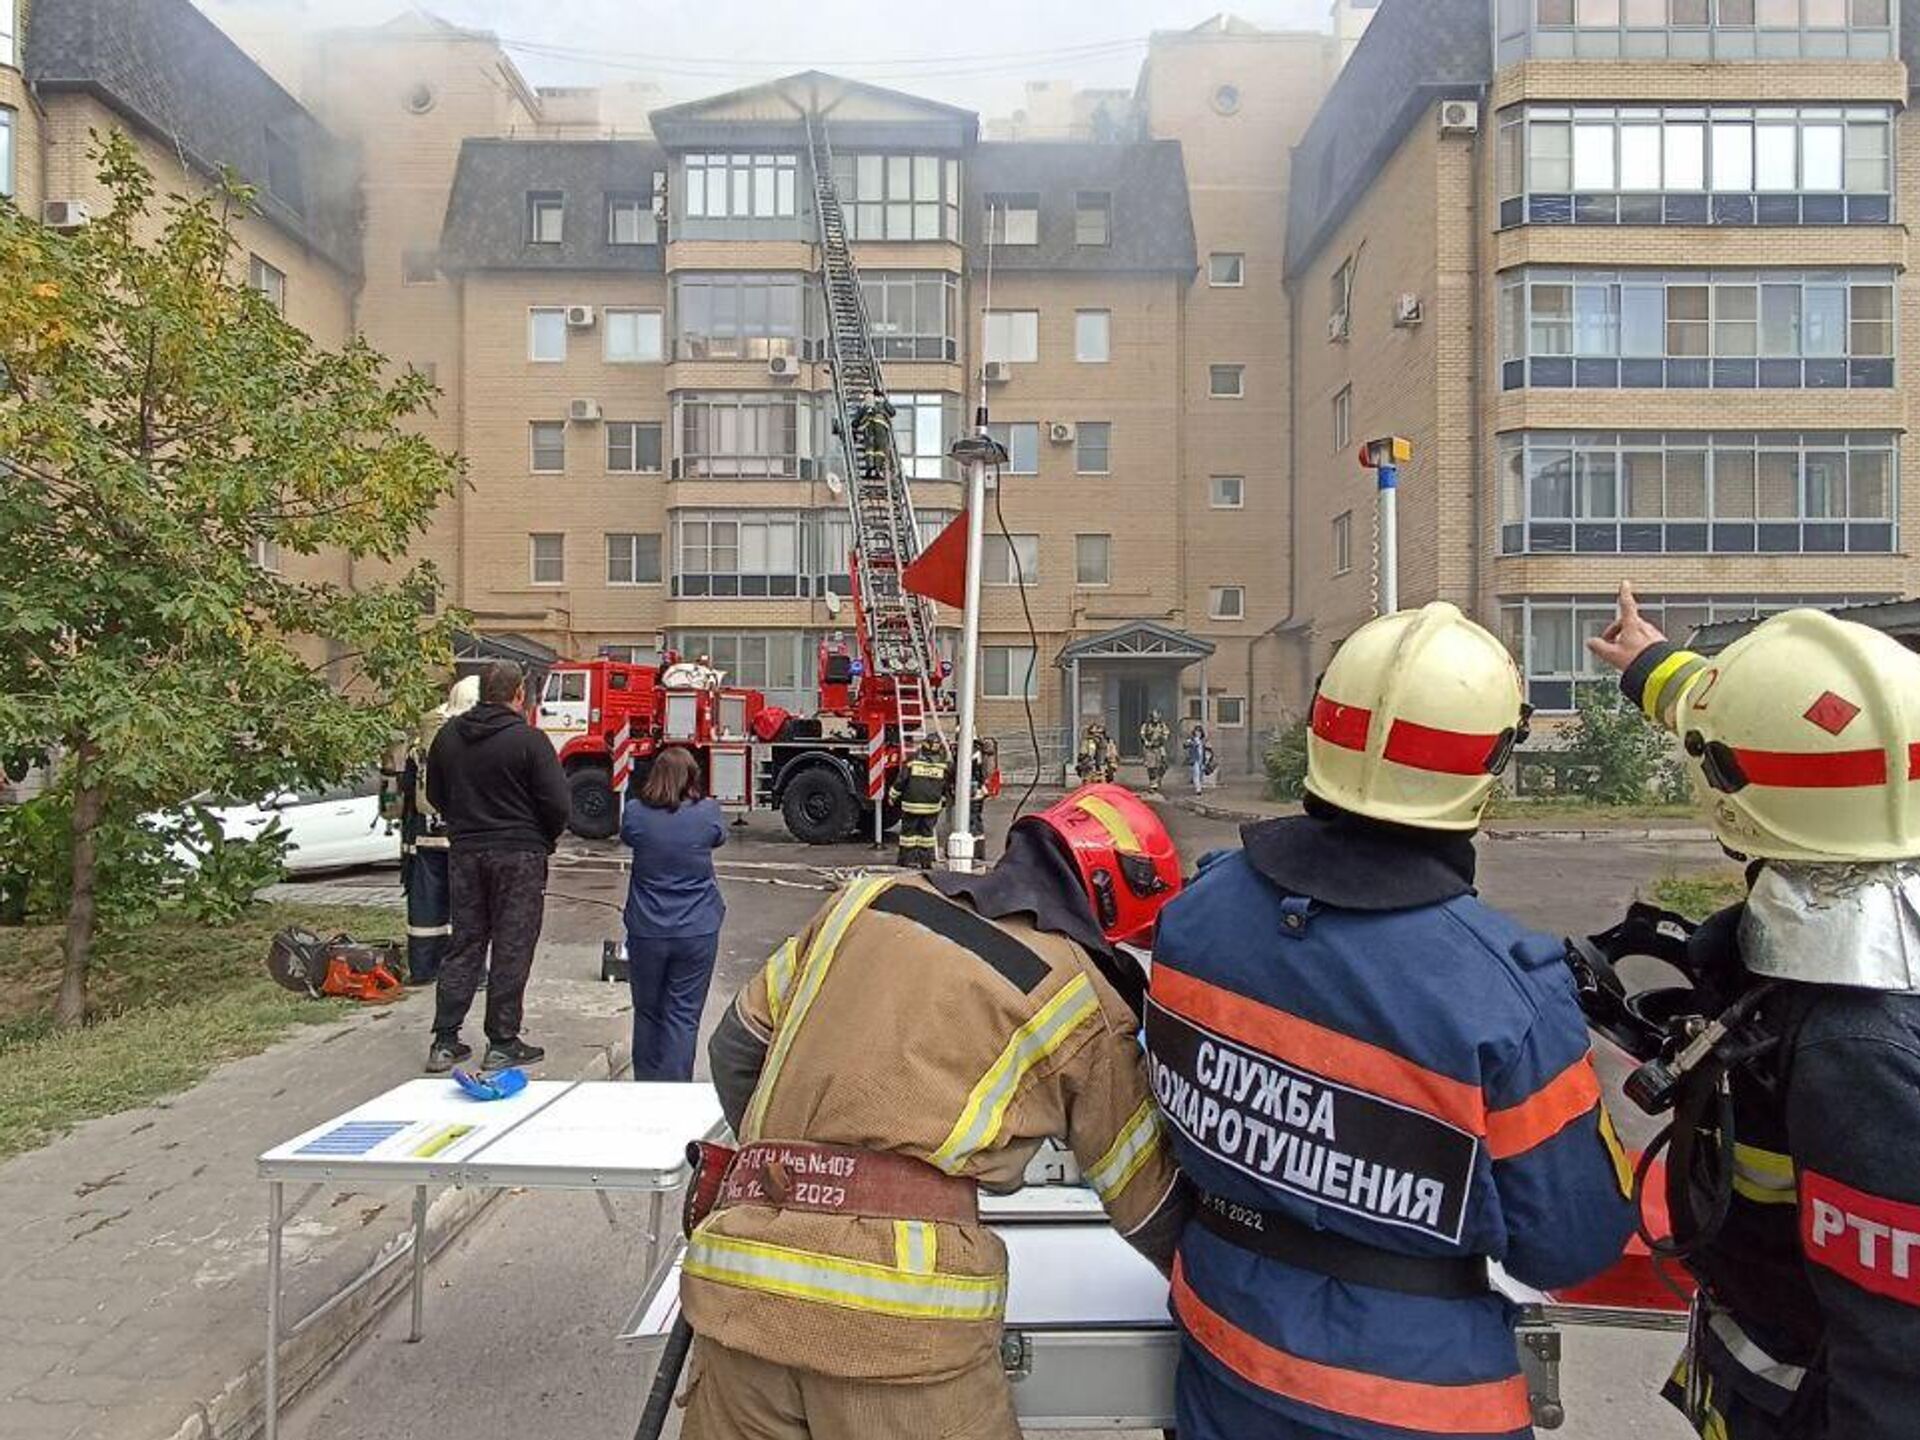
[{"x": 1136, "y": 699}]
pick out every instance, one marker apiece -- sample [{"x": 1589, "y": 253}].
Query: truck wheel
[
  {"x": 593, "y": 815},
  {"x": 819, "y": 808}
]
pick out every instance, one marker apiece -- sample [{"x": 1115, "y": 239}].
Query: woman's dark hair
[{"x": 672, "y": 780}]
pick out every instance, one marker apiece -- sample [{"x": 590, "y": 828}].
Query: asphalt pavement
[{"x": 524, "y": 1306}]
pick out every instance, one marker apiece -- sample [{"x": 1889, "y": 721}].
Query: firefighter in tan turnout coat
[{"x": 917, "y": 1041}]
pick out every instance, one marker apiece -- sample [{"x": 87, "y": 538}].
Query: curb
[
  {"x": 1679, "y": 833},
  {"x": 328, "y": 1333}
]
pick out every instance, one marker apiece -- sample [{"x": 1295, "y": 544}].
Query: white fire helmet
[
  {"x": 464, "y": 695},
  {"x": 1803, "y": 739},
  {"x": 1415, "y": 719}
]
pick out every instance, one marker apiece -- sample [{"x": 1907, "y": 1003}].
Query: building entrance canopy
[{"x": 1122, "y": 674}]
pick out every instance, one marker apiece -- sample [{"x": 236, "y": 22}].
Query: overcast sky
[{"x": 976, "y": 53}]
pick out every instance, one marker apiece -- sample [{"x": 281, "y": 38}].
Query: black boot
[
  {"x": 445, "y": 1054},
  {"x": 503, "y": 1053}
]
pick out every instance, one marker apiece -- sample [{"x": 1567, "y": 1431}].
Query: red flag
[{"x": 940, "y": 573}]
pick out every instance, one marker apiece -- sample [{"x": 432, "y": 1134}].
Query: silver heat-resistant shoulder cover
[{"x": 1835, "y": 924}]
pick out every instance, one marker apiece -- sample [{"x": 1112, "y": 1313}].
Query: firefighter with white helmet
[
  {"x": 1377, "y": 1082},
  {"x": 1794, "y": 1185},
  {"x": 915, "y": 1043},
  {"x": 423, "y": 840}
]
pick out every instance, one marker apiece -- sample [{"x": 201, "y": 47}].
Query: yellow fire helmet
[
  {"x": 1414, "y": 720},
  {"x": 1803, "y": 738}
]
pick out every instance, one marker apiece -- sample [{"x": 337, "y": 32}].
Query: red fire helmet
[{"x": 1124, "y": 856}]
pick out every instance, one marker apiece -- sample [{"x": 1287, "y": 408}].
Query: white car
[{"x": 330, "y": 829}]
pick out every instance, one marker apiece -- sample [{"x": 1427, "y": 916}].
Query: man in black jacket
[{"x": 498, "y": 786}]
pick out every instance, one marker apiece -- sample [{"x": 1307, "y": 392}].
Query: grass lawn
[
  {"x": 169, "y": 1004},
  {"x": 1700, "y": 894}
]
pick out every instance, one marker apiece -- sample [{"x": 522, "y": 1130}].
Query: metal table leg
[
  {"x": 419, "y": 1263},
  {"x": 276, "y": 1200}
]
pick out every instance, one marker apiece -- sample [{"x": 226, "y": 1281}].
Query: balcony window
[
  {"x": 1688, "y": 493},
  {"x": 744, "y": 316},
  {"x": 913, "y": 315},
  {"x": 1695, "y": 165},
  {"x": 742, "y": 554},
  {"x": 745, "y": 435},
  {"x": 1695, "y": 29},
  {"x": 1697, "y": 329},
  {"x": 924, "y": 425},
  {"x": 779, "y": 663},
  {"x": 741, "y": 186},
  {"x": 899, "y": 197}
]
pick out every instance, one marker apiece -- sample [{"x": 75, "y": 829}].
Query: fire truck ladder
[{"x": 898, "y": 631}]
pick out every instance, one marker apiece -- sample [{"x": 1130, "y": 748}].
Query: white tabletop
[{"x": 421, "y": 1131}]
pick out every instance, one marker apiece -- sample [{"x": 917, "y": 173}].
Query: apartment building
[{"x": 1631, "y": 274}]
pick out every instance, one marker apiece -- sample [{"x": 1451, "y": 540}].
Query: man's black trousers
[{"x": 499, "y": 899}]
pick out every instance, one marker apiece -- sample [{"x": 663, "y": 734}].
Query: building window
[
  {"x": 1343, "y": 418},
  {"x": 781, "y": 663},
  {"x": 1092, "y": 557},
  {"x": 261, "y": 550},
  {"x": 1009, "y": 672},
  {"x": 633, "y": 559},
  {"x": 1093, "y": 447},
  {"x": 1092, "y": 335},
  {"x": 1226, "y": 270},
  {"x": 745, "y": 316},
  {"x": 1695, "y": 29},
  {"x": 631, "y": 336},
  {"x": 547, "y": 334},
  {"x": 1013, "y": 336},
  {"x": 1226, "y": 382},
  {"x": 284, "y": 181},
  {"x": 547, "y": 442},
  {"x": 633, "y": 447},
  {"x": 6, "y": 143},
  {"x": 546, "y": 217},
  {"x": 739, "y": 554},
  {"x": 1226, "y": 492},
  {"x": 741, "y": 187},
  {"x": 1227, "y": 602},
  {"x": 1693, "y": 493},
  {"x": 8, "y": 30},
  {"x": 1697, "y": 329},
  {"x": 631, "y": 654},
  {"x": 924, "y": 425},
  {"x": 1093, "y": 217},
  {"x": 1010, "y": 564},
  {"x": 1013, "y": 219},
  {"x": 899, "y": 197},
  {"x": 1343, "y": 542},
  {"x": 267, "y": 279},
  {"x": 913, "y": 315},
  {"x": 420, "y": 265},
  {"x": 1695, "y": 165},
  {"x": 1230, "y": 712},
  {"x": 745, "y": 434},
  {"x": 1340, "y": 301},
  {"x": 1021, "y": 440},
  {"x": 635, "y": 219},
  {"x": 548, "y": 559}
]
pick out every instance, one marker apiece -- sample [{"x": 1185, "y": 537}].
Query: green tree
[
  {"x": 1618, "y": 747},
  {"x": 158, "y": 419},
  {"x": 1287, "y": 762}
]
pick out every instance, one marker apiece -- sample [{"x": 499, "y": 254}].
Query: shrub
[
  {"x": 1287, "y": 762},
  {"x": 1620, "y": 752}
]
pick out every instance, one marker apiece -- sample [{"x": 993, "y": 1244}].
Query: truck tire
[
  {"x": 819, "y": 808},
  {"x": 592, "y": 813}
]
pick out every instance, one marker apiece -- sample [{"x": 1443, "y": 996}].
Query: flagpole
[{"x": 975, "y": 452}]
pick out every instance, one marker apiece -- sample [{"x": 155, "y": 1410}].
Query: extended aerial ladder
[{"x": 902, "y": 660}]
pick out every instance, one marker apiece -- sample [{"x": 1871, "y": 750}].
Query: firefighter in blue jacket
[{"x": 1377, "y": 1082}]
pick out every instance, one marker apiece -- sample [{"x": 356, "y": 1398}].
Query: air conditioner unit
[
  {"x": 583, "y": 410},
  {"x": 65, "y": 214},
  {"x": 1060, "y": 432},
  {"x": 783, "y": 367},
  {"x": 579, "y": 317},
  {"x": 1459, "y": 117},
  {"x": 998, "y": 372},
  {"x": 1337, "y": 325},
  {"x": 1406, "y": 310}
]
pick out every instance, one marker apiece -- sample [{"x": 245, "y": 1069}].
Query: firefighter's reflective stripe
[
  {"x": 912, "y": 809},
  {"x": 421, "y": 932},
  {"x": 1123, "y": 837},
  {"x": 1664, "y": 681},
  {"x": 1136, "y": 1143},
  {"x": 916, "y": 1246},
  {"x": 826, "y": 941},
  {"x": 1763, "y": 1176},
  {"x": 781, "y": 969},
  {"x": 1751, "y": 1357},
  {"x": 850, "y": 1284},
  {"x": 1487, "y": 1407},
  {"x": 1545, "y": 1113},
  {"x": 986, "y": 1106}
]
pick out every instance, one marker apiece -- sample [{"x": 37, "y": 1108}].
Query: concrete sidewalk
[{"x": 133, "y": 1260}]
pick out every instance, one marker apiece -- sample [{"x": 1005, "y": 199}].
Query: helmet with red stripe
[
  {"x": 1804, "y": 738},
  {"x": 1414, "y": 720},
  {"x": 1123, "y": 854}
]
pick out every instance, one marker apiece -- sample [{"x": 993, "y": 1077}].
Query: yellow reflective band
[
  {"x": 915, "y": 1245},
  {"x": 1136, "y": 1144},
  {"x": 826, "y": 942},
  {"x": 780, "y": 972},
  {"x": 1617, "y": 1153},
  {"x": 1663, "y": 674},
  {"x": 849, "y": 1284},
  {"x": 1116, "y": 823},
  {"x": 1763, "y": 1176},
  {"x": 986, "y": 1107}
]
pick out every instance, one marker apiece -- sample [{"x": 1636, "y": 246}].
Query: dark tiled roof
[
  {"x": 486, "y": 226},
  {"x": 1152, "y": 225},
  {"x": 1414, "y": 52},
  {"x": 717, "y": 120},
  {"x": 170, "y": 71}
]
